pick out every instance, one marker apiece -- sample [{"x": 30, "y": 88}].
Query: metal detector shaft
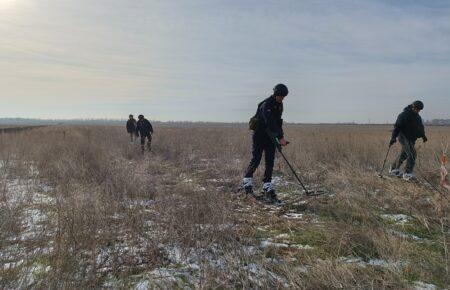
[
  {"x": 293, "y": 171},
  {"x": 278, "y": 146},
  {"x": 384, "y": 162}
]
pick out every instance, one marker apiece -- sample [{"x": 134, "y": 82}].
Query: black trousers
[
  {"x": 408, "y": 153},
  {"x": 262, "y": 143},
  {"x": 132, "y": 135},
  {"x": 149, "y": 142}
]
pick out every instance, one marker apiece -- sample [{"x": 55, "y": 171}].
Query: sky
[{"x": 215, "y": 60}]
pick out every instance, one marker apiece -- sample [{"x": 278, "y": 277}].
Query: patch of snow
[
  {"x": 282, "y": 236},
  {"x": 302, "y": 202},
  {"x": 220, "y": 227},
  {"x": 266, "y": 244},
  {"x": 164, "y": 274},
  {"x": 276, "y": 180},
  {"x": 174, "y": 254},
  {"x": 252, "y": 268},
  {"x": 424, "y": 286},
  {"x": 12, "y": 265},
  {"x": 149, "y": 223},
  {"x": 220, "y": 180},
  {"x": 399, "y": 219},
  {"x": 405, "y": 236},
  {"x": 258, "y": 273},
  {"x": 302, "y": 247},
  {"x": 45, "y": 188},
  {"x": 349, "y": 260},
  {"x": 32, "y": 223},
  {"x": 142, "y": 285},
  {"x": 250, "y": 250},
  {"x": 373, "y": 262},
  {"x": 39, "y": 198},
  {"x": 292, "y": 215},
  {"x": 302, "y": 269}
]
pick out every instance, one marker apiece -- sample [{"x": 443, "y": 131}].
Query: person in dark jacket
[
  {"x": 131, "y": 128},
  {"x": 408, "y": 128},
  {"x": 145, "y": 130},
  {"x": 269, "y": 129}
]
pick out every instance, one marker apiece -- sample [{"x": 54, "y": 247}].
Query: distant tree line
[
  {"x": 439, "y": 122},
  {"x": 121, "y": 122}
]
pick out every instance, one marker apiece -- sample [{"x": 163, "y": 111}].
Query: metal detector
[{"x": 278, "y": 146}]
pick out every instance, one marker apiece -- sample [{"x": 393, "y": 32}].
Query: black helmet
[
  {"x": 131, "y": 116},
  {"x": 418, "y": 105},
  {"x": 140, "y": 116},
  {"x": 280, "y": 90}
]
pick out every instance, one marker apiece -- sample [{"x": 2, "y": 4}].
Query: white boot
[
  {"x": 409, "y": 176},
  {"x": 268, "y": 187},
  {"x": 395, "y": 172},
  {"x": 269, "y": 190},
  {"x": 247, "y": 184}
]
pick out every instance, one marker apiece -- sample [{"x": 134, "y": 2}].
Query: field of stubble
[{"x": 81, "y": 207}]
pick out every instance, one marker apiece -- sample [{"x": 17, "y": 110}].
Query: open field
[
  {"x": 81, "y": 207},
  {"x": 14, "y": 129}
]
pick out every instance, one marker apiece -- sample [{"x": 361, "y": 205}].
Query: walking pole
[
  {"x": 278, "y": 146},
  {"x": 380, "y": 175}
]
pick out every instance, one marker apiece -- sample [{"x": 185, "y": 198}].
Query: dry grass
[{"x": 80, "y": 207}]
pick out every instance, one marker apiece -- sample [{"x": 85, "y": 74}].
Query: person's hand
[
  {"x": 282, "y": 142},
  {"x": 392, "y": 142},
  {"x": 425, "y": 139}
]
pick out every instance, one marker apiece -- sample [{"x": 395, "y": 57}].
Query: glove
[
  {"x": 392, "y": 142},
  {"x": 282, "y": 142},
  {"x": 425, "y": 139}
]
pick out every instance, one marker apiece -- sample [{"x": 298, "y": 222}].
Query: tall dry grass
[{"x": 115, "y": 214}]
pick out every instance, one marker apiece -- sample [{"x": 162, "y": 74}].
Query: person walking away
[
  {"x": 408, "y": 128},
  {"x": 145, "y": 130},
  {"x": 131, "y": 127},
  {"x": 267, "y": 124}
]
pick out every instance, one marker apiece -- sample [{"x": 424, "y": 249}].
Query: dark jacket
[
  {"x": 131, "y": 125},
  {"x": 409, "y": 124},
  {"x": 144, "y": 128},
  {"x": 269, "y": 113}
]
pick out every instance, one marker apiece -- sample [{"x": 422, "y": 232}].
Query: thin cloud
[{"x": 340, "y": 59}]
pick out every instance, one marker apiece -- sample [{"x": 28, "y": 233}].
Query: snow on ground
[
  {"x": 424, "y": 286},
  {"x": 399, "y": 219},
  {"x": 397, "y": 265},
  {"x": 27, "y": 199},
  {"x": 405, "y": 236},
  {"x": 293, "y": 215}
]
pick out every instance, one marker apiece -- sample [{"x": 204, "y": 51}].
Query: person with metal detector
[
  {"x": 266, "y": 124},
  {"x": 408, "y": 128},
  {"x": 145, "y": 130},
  {"x": 131, "y": 127}
]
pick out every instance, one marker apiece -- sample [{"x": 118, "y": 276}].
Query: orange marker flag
[{"x": 444, "y": 173}]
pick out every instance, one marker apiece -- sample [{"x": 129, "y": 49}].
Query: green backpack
[{"x": 255, "y": 122}]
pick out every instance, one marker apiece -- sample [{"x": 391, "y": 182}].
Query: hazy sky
[{"x": 214, "y": 60}]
